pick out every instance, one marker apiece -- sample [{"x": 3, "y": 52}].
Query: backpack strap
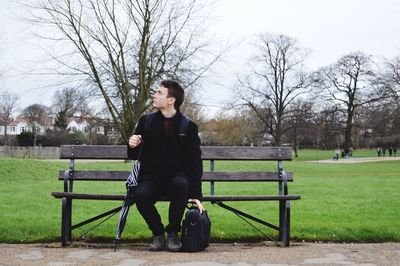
[{"x": 184, "y": 126}]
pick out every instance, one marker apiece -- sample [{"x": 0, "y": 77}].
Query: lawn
[
  {"x": 340, "y": 202},
  {"x": 315, "y": 155}
]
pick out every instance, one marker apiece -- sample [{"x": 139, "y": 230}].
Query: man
[{"x": 171, "y": 165}]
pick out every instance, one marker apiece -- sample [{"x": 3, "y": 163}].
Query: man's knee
[{"x": 143, "y": 194}]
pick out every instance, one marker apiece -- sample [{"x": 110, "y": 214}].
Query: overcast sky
[{"x": 329, "y": 28}]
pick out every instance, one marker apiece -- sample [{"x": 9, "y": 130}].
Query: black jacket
[{"x": 165, "y": 153}]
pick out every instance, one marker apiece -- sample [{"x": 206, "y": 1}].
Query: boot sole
[
  {"x": 156, "y": 249},
  {"x": 173, "y": 249}
]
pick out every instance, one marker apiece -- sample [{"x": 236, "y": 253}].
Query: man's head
[{"x": 170, "y": 92}]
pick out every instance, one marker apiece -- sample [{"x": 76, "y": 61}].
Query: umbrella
[
  {"x": 131, "y": 183},
  {"x": 128, "y": 201}
]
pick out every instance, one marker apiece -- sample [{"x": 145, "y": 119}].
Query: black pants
[{"x": 149, "y": 191}]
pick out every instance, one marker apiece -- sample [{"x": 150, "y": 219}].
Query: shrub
[{"x": 25, "y": 139}]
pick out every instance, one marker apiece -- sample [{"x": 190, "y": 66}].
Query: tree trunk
[
  {"x": 295, "y": 143},
  {"x": 278, "y": 132},
  {"x": 5, "y": 136},
  {"x": 348, "y": 132}
]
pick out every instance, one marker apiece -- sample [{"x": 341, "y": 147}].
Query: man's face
[{"x": 161, "y": 99}]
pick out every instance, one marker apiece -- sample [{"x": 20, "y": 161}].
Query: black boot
[
  {"x": 173, "y": 242},
  {"x": 158, "y": 243}
]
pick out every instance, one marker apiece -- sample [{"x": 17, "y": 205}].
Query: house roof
[
  {"x": 48, "y": 121},
  {"x": 18, "y": 120},
  {"x": 81, "y": 119}
]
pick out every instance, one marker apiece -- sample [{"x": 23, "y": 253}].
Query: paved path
[
  {"x": 358, "y": 160},
  {"x": 261, "y": 254}
]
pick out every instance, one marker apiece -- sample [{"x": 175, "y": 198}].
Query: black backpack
[{"x": 196, "y": 229}]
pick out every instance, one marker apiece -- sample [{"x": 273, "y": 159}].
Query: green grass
[
  {"x": 340, "y": 202},
  {"x": 315, "y": 155}
]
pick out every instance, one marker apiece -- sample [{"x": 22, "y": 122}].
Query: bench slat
[
  {"x": 93, "y": 152},
  {"x": 74, "y": 195},
  {"x": 246, "y": 153},
  {"x": 88, "y": 175},
  {"x": 208, "y": 152},
  {"x": 207, "y": 176}
]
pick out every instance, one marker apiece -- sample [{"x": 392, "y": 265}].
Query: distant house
[
  {"x": 84, "y": 124},
  {"x": 48, "y": 123},
  {"x": 20, "y": 124},
  {"x": 1, "y": 128},
  {"x": 76, "y": 124},
  {"x": 87, "y": 124}
]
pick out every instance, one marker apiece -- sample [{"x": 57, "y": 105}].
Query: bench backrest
[{"x": 208, "y": 152}]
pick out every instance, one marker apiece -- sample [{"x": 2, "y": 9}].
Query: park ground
[{"x": 261, "y": 254}]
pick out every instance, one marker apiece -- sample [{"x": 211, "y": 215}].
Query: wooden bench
[{"x": 103, "y": 152}]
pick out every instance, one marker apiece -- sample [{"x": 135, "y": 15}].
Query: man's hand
[
  {"x": 134, "y": 141},
  {"x": 198, "y": 204}
]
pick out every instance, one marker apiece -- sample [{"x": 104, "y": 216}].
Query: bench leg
[
  {"x": 66, "y": 210},
  {"x": 281, "y": 218},
  {"x": 284, "y": 223}
]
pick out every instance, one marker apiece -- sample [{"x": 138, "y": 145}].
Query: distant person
[
  {"x": 394, "y": 150},
  {"x": 378, "y": 151},
  {"x": 383, "y": 151},
  {"x": 390, "y": 150},
  {"x": 351, "y": 151},
  {"x": 346, "y": 153},
  {"x": 337, "y": 152}
]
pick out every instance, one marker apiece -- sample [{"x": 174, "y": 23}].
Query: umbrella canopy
[
  {"x": 131, "y": 183},
  {"x": 128, "y": 201}
]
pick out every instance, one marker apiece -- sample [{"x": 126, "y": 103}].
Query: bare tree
[
  {"x": 66, "y": 103},
  {"x": 383, "y": 117},
  {"x": 329, "y": 120},
  {"x": 300, "y": 114},
  {"x": 276, "y": 81},
  {"x": 7, "y": 107},
  {"x": 390, "y": 79},
  {"x": 35, "y": 115},
  {"x": 127, "y": 47},
  {"x": 238, "y": 130},
  {"x": 191, "y": 108},
  {"x": 349, "y": 84}
]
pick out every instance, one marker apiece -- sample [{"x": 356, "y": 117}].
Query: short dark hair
[{"x": 174, "y": 90}]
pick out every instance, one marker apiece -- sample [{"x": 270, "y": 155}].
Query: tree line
[
  {"x": 353, "y": 102},
  {"x": 119, "y": 50}
]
